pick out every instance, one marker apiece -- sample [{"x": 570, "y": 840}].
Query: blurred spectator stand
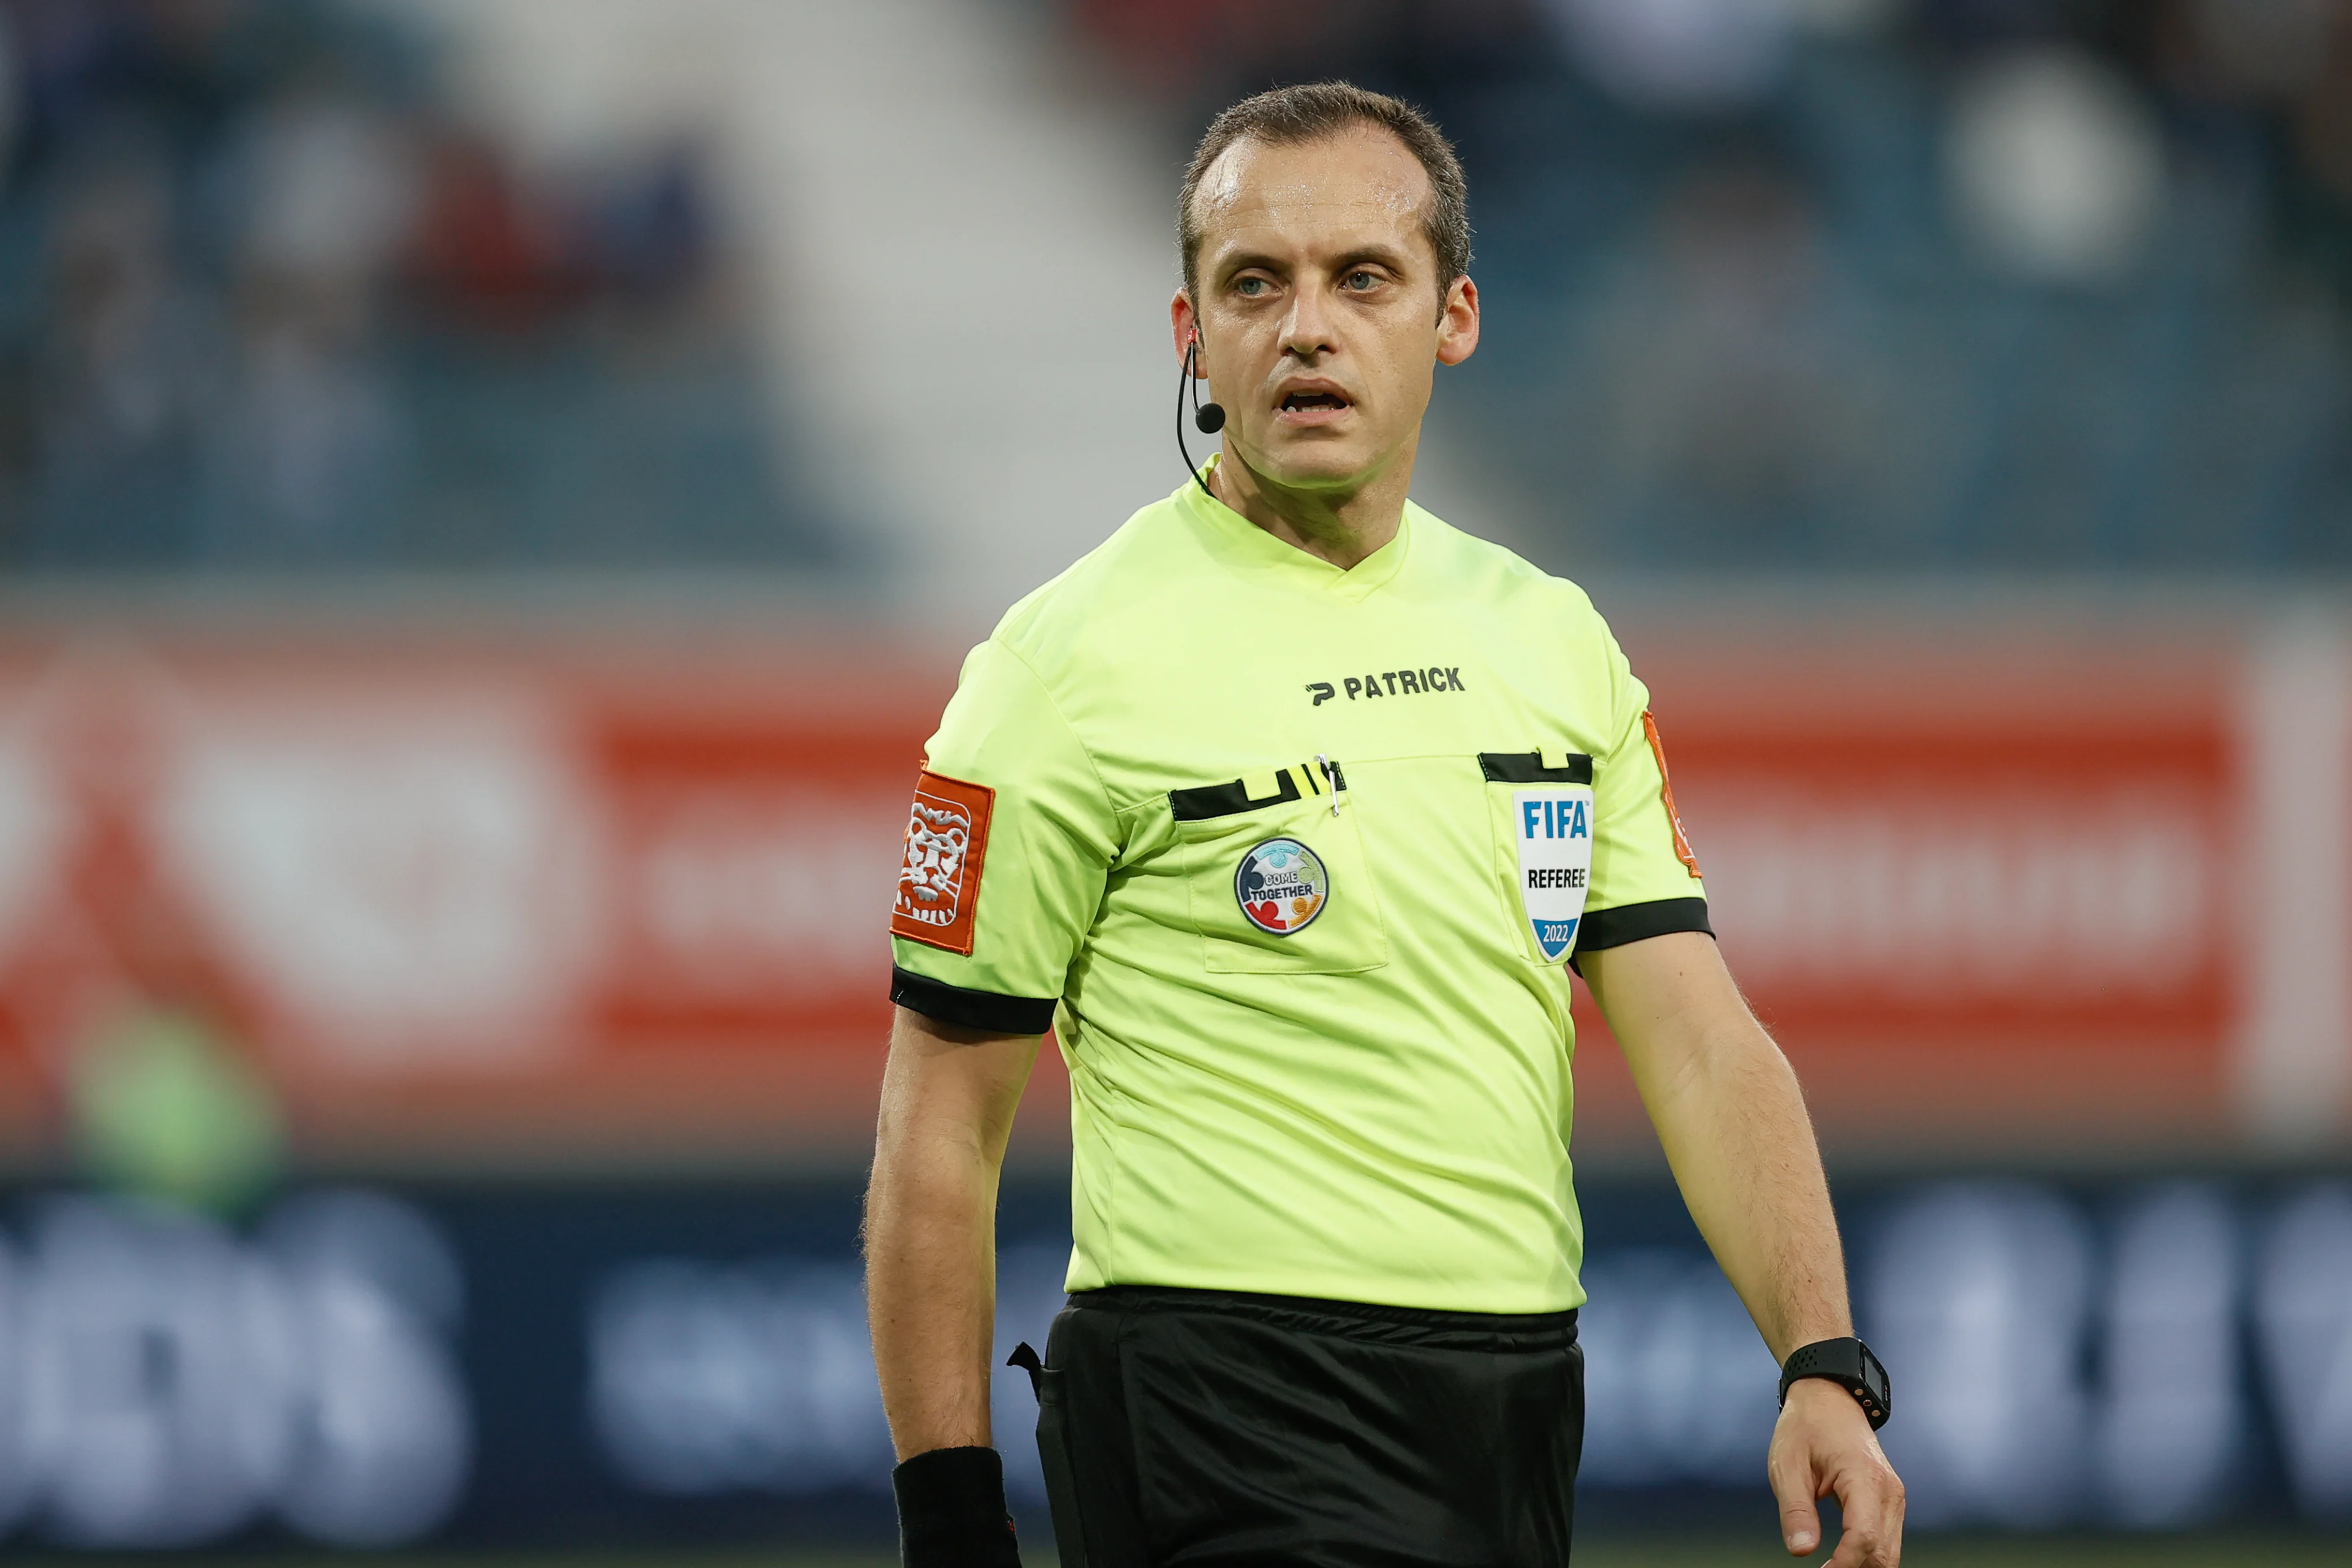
[
  {"x": 266, "y": 302},
  {"x": 1871, "y": 284}
]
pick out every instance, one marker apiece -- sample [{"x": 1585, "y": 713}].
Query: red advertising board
[
  {"x": 619, "y": 897},
  {"x": 476, "y": 904},
  {"x": 1980, "y": 891}
]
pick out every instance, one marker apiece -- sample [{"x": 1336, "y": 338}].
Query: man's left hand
[{"x": 1823, "y": 1446}]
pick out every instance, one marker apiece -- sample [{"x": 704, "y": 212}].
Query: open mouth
[{"x": 1304, "y": 402}]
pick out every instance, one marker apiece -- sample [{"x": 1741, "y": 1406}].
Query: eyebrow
[{"x": 1385, "y": 255}]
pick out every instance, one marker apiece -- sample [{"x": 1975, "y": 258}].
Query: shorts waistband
[{"x": 1423, "y": 1326}]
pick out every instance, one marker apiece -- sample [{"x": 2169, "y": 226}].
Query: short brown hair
[{"x": 1289, "y": 115}]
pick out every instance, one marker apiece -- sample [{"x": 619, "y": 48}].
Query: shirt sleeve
[
  {"x": 1009, "y": 840},
  {"x": 1645, "y": 880}
]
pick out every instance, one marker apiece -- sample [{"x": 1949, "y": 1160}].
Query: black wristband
[
  {"x": 951, "y": 1512},
  {"x": 1848, "y": 1363}
]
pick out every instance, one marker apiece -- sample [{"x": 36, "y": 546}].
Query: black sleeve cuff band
[
  {"x": 1635, "y": 922},
  {"x": 951, "y": 1512},
  {"x": 974, "y": 1009},
  {"x": 1639, "y": 923}
]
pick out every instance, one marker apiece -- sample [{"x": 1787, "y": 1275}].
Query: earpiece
[{"x": 1207, "y": 418}]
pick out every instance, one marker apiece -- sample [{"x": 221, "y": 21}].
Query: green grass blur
[
  {"x": 2223, "y": 1550},
  {"x": 1933, "y": 1551},
  {"x": 1996, "y": 1552}
]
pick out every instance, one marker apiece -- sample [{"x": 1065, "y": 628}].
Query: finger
[
  {"x": 1863, "y": 1506},
  {"x": 1855, "y": 1549},
  {"x": 1885, "y": 1490},
  {"x": 1801, "y": 1522}
]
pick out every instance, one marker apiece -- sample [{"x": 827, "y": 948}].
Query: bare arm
[
  {"x": 947, "y": 1097},
  {"x": 1733, "y": 1121}
]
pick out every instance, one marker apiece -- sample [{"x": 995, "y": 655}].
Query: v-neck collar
[{"x": 1237, "y": 541}]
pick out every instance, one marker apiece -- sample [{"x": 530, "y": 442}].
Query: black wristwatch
[{"x": 1848, "y": 1363}]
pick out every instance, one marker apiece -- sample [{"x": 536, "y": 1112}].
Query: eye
[
  {"x": 1249, "y": 288},
  {"x": 1361, "y": 279}
]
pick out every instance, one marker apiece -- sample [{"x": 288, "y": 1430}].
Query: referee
[{"x": 1287, "y": 809}]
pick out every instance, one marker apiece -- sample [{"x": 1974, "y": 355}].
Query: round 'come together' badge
[{"x": 1282, "y": 886}]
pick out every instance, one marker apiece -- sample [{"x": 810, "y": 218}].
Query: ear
[
  {"x": 1186, "y": 327},
  {"x": 1457, "y": 322}
]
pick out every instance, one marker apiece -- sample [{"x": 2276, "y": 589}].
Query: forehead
[{"x": 1356, "y": 187}]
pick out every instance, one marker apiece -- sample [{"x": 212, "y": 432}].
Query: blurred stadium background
[{"x": 493, "y": 494}]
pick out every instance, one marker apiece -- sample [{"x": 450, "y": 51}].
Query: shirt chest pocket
[
  {"x": 1540, "y": 805},
  {"x": 1276, "y": 874}
]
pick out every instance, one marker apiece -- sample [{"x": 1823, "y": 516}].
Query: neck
[{"x": 1340, "y": 525}]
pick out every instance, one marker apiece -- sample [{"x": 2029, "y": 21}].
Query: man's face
[{"x": 1319, "y": 313}]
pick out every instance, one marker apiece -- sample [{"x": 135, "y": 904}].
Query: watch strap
[{"x": 1847, "y": 1363}]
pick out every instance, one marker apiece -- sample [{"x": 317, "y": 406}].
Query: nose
[{"x": 1306, "y": 332}]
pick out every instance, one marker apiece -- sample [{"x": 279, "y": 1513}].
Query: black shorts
[{"x": 1200, "y": 1427}]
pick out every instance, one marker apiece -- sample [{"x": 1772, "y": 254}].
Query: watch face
[{"x": 1880, "y": 1389}]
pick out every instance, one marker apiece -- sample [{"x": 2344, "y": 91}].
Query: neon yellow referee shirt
[{"x": 1293, "y": 859}]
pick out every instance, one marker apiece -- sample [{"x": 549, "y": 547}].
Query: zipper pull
[{"x": 1330, "y": 780}]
